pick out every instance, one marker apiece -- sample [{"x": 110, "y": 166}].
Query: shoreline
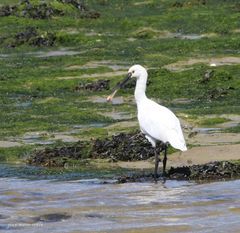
[{"x": 193, "y": 156}]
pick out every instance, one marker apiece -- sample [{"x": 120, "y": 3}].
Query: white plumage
[
  {"x": 159, "y": 123},
  {"x": 156, "y": 122}
]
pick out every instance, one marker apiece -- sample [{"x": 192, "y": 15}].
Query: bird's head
[{"x": 136, "y": 71}]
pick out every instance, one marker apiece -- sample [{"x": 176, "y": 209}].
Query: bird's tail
[
  {"x": 178, "y": 143},
  {"x": 184, "y": 148}
]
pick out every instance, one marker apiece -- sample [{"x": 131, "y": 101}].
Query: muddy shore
[
  {"x": 52, "y": 65},
  {"x": 132, "y": 151},
  {"x": 212, "y": 171}
]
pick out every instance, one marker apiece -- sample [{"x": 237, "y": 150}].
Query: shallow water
[
  {"x": 79, "y": 204},
  {"x": 42, "y": 54}
]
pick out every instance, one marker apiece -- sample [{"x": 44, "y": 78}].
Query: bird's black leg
[
  {"x": 156, "y": 165},
  {"x": 165, "y": 160}
]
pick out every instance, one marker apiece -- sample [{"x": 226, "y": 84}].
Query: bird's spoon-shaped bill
[
  {"x": 110, "y": 97},
  {"x": 119, "y": 86}
]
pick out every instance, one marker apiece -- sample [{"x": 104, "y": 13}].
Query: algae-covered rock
[
  {"x": 30, "y": 36},
  {"x": 99, "y": 85},
  {"x": 45, "y": 9},
  {"x": 58, "y": 156},
  {"x": 145, "y": 33},
  {"x": 54, "y": 217},
  {"x": 131, "y": 147},
  {"x": 210, "y": 171},
  {"x": 191, "y": 3},
  {"x": 42, "y": 10},
  {"x": 31, "y": 9},
  {"x": 124, "y": 147},
  {"x": 7, "y": 10},
  {"x": 84, "y": 11}
]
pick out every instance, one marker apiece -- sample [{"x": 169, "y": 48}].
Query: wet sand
[
  {"x": 195, "y": 155},
  {"x": 187, "y": 64}
]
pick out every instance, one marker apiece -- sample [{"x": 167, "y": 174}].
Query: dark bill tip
[{"x": 124, "y": 81}]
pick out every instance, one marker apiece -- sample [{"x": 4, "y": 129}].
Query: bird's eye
[{"x": 133, "y": 71}]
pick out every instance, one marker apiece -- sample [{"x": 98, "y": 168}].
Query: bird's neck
[{"x": 141, "y": 88}]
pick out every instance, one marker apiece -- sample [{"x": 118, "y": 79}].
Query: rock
[
  {"x": 59, "y": 156},
  {"x": 42, "y": 10},
  {"x": 179, "y": 172},
  {"x": 33, "y": 37},
  {"x": 216, "y": 93},
  {"x": 177, "y": 4},
  {"x": 83, "y": 9},
  {"x": 45, "y": 10},
  {"x": 207, "y": 76},
  {"x": 124, "y": 147},
  {"x": 55, "y": 217},
  {"x": 76, "y": 3},
  {"x": 180, "y": 4},
  {"x": 7, "y": 10},
  {"x": 131, "y": 147},
  {"x": 47, "y": 39},
  {"x": 39, "y": 11},
  {"x": 26, "y": 35},
  {"x": 210, "y": 171},
  {"x": 99, "y": 85}
]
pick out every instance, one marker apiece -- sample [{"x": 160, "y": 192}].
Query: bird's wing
[{"x": 160, "y": 123}]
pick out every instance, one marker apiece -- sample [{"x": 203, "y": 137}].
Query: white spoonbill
[{"x": 156, "y": 122}]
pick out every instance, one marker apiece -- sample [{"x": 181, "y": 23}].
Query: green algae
[
  {"x": 213, "y": 121},
  {"x": 37, "y": 95}
]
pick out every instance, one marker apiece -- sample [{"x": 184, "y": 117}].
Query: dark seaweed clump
[
  {"x": 58, "y": 156},
  {"x": 216, "y": 85},
  {"x": 218, "y": 170},
  {"x": 85, "y": 12},
  {"x": 99, "y": 85},
  {"x": 131, "y": 147},
  {"x": 54, "y": 217},
  {"x": 7, "y": 10},
  {"x": 124, "y": 147},
  {"x": 44, "y": 9},
  {"x": 218, "y": 92},
  {"x": 26, "y": 9},
  {"x": 180, "y": 4},
  {"x": 39, "y": 11},
  {"x": 210, "y": 171},
  {"x": 30, "y": 36}
]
